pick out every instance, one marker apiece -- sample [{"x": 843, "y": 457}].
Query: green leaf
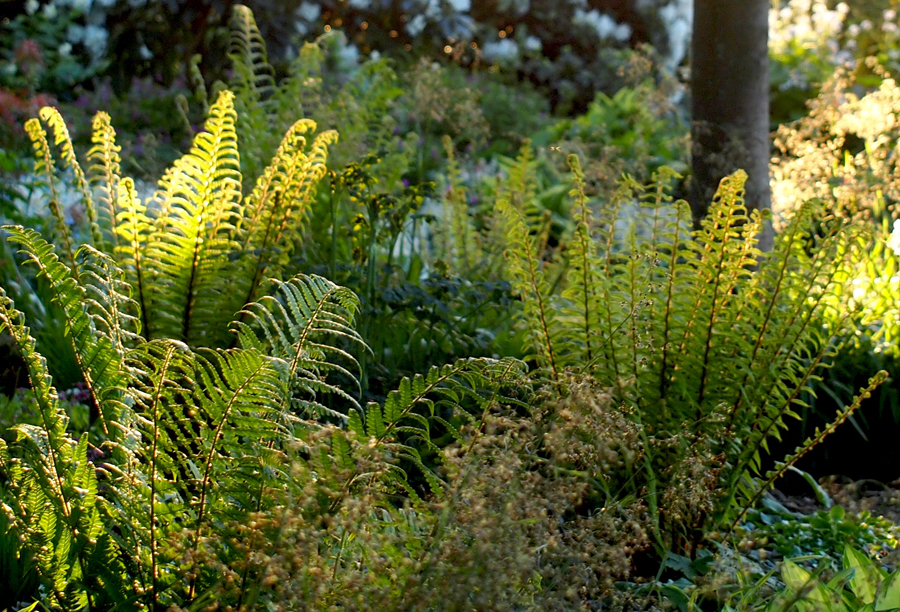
[
  {"x": 865, "y": 581},
  {"x": 889, "y": 595}
]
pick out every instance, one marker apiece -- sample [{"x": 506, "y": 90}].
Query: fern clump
[{"x": 709, "y": 344}]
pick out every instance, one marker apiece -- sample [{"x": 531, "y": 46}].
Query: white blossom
[
  {"x": 604, "y": 25},
  {"x": 678, "y": 20},
  {"x": 74, "y": 33},
  {"x": 95, "y": 40},
  {"x": 416, "y": 25},
  {"x": 432, "y": 9},
  {"x": 65, "y": 49},
  {"x": 49, "y": 11},
  {"x": 501, "y": 52},
  {"x": 532, "y": 44},
  {"x": 31, "y": 7},
  {"x": 460, "y": 6},
  {"x": 894, "y": 239},
  {"x": 145, "y": 53},
  {"x": 308, "y": 11}
]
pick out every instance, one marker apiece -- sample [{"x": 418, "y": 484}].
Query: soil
[{"x": 878, "y": 498}]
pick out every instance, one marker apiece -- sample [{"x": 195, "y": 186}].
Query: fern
[
  {"x": 706, "y": 340},
  {"x": 99, "y": 354},
  {"x": 462, "y": 391},
  {"x": 254, "y": 85},
  {"x": 303, "y": 325},
  {"x": 55, "y": 487},
  {"x": 528, "y": 278},
  {"x": 279, "y": 203},
  {"x": 105, "y": 177},
  {"x": 45, "y": 167},
  {"x": 190, "y": 297}
]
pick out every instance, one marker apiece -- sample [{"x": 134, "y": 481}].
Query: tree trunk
[{"x": 730, "y": 101}]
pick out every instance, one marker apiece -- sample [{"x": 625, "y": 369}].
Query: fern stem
[
  {"x": 154, "y": 454},
  {"x": 864, "y": 394}
]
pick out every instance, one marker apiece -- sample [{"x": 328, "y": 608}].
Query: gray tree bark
[{"x": 730, "y": 101}]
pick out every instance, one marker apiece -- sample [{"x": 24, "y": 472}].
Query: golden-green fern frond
[
  {"x": 528, "y": 280},
  {"x": 99, "y": 360},
  {"x": 190, "y": 296},
  {"x": 305, "y": 323},
  {"x": 105, "y": 176},
  {"x": 279, "y": 204},
  {"x": 725, "y": 251},
  {"x": 584, "y": 286},
  {"x": 108, "y": 299},
  {"x": 45, "y": 167},
  {"x": 62, "y": 139},
  {"x": 133, "y": 229}
]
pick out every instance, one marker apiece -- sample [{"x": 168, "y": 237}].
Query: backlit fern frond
[
  {"x": 304, "y": 324},
  {"x": 105, "y": 176},
  {"x": 190, "y": 296},
  {"x": 45, "y": 167},
  {"x": 67, "y": 152},
  {"x": 99, "y": 360},
  {"x": 108, "y": 300},
  {"x": 133, "y": 229},
  {"x": 278, "y": 205}
]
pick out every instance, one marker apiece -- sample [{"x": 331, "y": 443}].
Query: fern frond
[
  {"x": 458, "y": 241},
  {"x": 105, "y": 176},
  {"x": 247, "y": 51},
  {"x": 97, "y": 356},
  {"x": 465, "y": 390},
  {"x": 56, "y": 478},
  {"x": 162, "y": 405},
  {"x": 529, "y": 281},
  {"x": 244, "y": 396},
  {"x": 133, "y": 229},
  {"x": 45, "y": 167},
  {"x": 67, "y": 152},
  {"x": 253, "y": 83},
  {"x": 279, "y": 203},
  {"x": 303, "y": 324},
  {"x": 199, "y": 196},
  {"x": 782, "y": 467}
]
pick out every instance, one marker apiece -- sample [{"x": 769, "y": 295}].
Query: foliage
[
  {"x": 191, "y": 427},
  {"x": 862, "y": 584},
  {"x": 824, "y": 534},
  {"x": 50, "y": 50},
  {"x": 842, "y": 155},
  {"x": 554, "y": 44},
  {"x": 709, "y": 346}
]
